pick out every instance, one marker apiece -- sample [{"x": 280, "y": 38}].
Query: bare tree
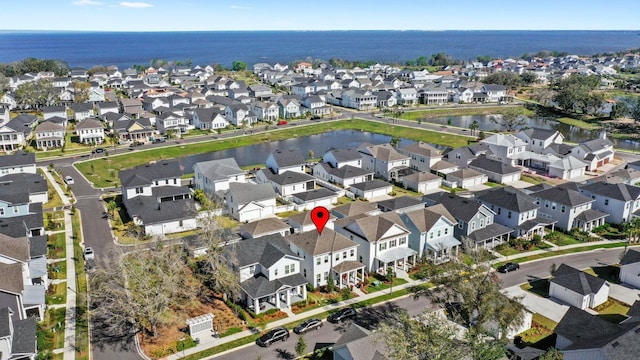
[
  {"x": 136, "y": 291},
  {"x": 81, "y": 91},
  {"x": 510, "y": 119}
]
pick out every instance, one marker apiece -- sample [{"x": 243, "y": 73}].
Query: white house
[
  {"x": 215, "y": 175},
  {"x": 431, "y": 233},
  {"x": 423, "y": 156},
  {"x": 569, "y": 208},
  {"x": 578, "y": 288},
  {"x": 595, "y": 153},
  {"x": 90, "y": 131},
  {"x": 209, "y": 119},
  {"x": 49, "y": 135},
  {"x": 286, "y": 183},
  {"x": 630, "y": 268},
  {"x": 371, "y": 189},
  {"x": 18, "y": 163},
  {"x": 325, "y": 255},
  {"x": 280, "y": 161},
  {"x": 340, "y": 157},
  {"x": 344, "y": 176},
  {"x": 422, "y": 182},
  {"x": 385, "y": 161},
  {"x": 620, "y": 201},
  {"x": 246, "y": 202}
]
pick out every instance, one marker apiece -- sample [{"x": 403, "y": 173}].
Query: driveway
[
  {"x": 625, "y": 293},
  {"x": 536, "y": 304}
]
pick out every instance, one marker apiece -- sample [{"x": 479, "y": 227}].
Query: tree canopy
[{"x": 33, "y": 65}]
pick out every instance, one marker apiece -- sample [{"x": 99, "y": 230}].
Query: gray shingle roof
[
  {"x": 23, "y": 183},
  {"x": 461, "y": 208},
  {"x": 373, "y": 228},
  {"x": 314, "y": 244},
  {"x": 594, "y": 332},
  {"x": 345, "y": 172},
  {"x": 631, "y": 256},
  {"x": 577, "y": 281},
  {"x": 14, "y": 248},
  {"x": 5, "y": 322},
  {"x": 420, "y": 177},
  {"x": 622, "y": 192},
  {"x": 421, "y": 148},
  {"x": 314, "y": 194},
  {"x": 221, "y": 169},
  {"x": 424, "y": 219},
  {"x": 245, "y": 193},
  {"x": 508, "y": 198},
  {"x": 563, "y": 196},
  {"x": 489, "y": 232},
  {"x": 264, "y": 226},
  {"x": 384, "y": 152},
  {"x": 151, "y": 211},
  {"x": 401, "y": 202},
  {"x": 89, "y": 123},
  {"x": 287, "y": 177},
  {"x": 11, "y": 278},
  {"x": 265, "y": 250},
  {"x": 286, "y": 158},
  {"x": 464, "y": 174},
  {"x": 259, "y": 286},
  {"x": 354, "y": 208},
  {"x": 38, "y": 246},
  {"x": 24, "y": 336},
  {"x": 146, "y": 174},
  {"x": 17, "y": 159},
  {"x": 371, "y": 185},
  {"x": 494, "y": 166},
  {"x": 539, "y": 134}
]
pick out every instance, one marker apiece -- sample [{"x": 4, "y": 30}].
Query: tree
[
  {"x": 439, "y": 59},
  {"x": 136, "y": 291},
  {"x": 427, "y": 337},
  {"x": 510, "y": 119},
  {"x": 634, "y": 109},
  {"x": 395, "y": 141},
  {"x": 213, "y": 268},
  {"x": 507, "y": 78},
  {"x": 528, "y": 78},
  {"x": 484, "y": 58},
  {"x": 543, "y": 96},
  {"x": 575, "y": 92},
  {"x": 477, "y": 291},
  {"x": 4, "y": 84},
  {"x": 238, "y": 66},
  {"x": 422, "y": 61},
  {"x": 81, "y": 91},
  {"x": 473, "y": 127},
  {"x": 112, "y": 208},
  {"x": 552, "y": 354},
  {"x": 331, "y": 284},
  {"x": 301, "y": 346},
  {"x": 36, "y": 94}
]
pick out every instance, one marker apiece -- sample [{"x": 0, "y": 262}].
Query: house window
[
  {"x": 318, "y": 278},
  {"x": 553, "y": 206},
  {"x": 509, "y": 215},
  {"x": 275, "y": 272},
  {"x": 326, "y": 275},
  {"x": 392, "y": 243},
  {"x": 446, "y": 231},
  {"x": 139, "y": 190},
  {"x": 252, "y": 269},
  {"x": 606, "y": 201},
  {"x": 439, "y": 233},
  {"x": 318, "y": 261},
  {"x": 460, "y": 224},
  {"x": 286, "y": 269},
  {"x": 326, "y": 259},
  {"x": 175, "y": 181},
  {"x": 337, "y": 256},
  {"x": 344, "y": 254},
  {"x": 403, "y": 240},
  {"x": 563, "y": 208},
  {"x": 499, "y": 211},
  {"x": 546, "y": 203},
  {"x": 431, "y": 235},
  {"x": 180, "y": 223},
  {"x": 352, "y": 252},
  {"x": 382, "y": 246},
  {"x": 481, "y": 224},
  {"x": 2, "y": 211}
]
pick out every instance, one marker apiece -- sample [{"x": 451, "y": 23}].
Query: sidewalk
[
  {"x": 502, "y": 258},
  {"x": 69, "y": 348},
  {"x": 208, "y": 341}
]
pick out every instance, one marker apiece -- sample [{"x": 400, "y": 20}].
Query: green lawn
[
  {"x": 54, "y": 198},
  {"x": 578, "y": 123},
  {"x": 400, "y": 191},
  {"x": 383, "y": 285},
  {"x": 439, "y": 112},
  {"x": 56, "y": 246},
  {"x": 561, "y": 239},
  {"x": 507, "y": 250},
  {"x": 50, "y": 335},
  {"x": 562, "y": 252},
  {"x": 541, "y": 327},
  {"x": 612, "y": 310},
  {"x": 105, "y": 172},
  {"x": 56, "y": 294},
  {"x": 82, "y": 321},
  {"x": 57, "y": 270}
]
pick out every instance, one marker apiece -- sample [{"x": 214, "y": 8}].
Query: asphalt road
[{"x": 329, "y": 333}]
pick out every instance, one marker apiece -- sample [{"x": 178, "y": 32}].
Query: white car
[
  {"x": 68, "y": 180},
  {"x": 89, "y": 254}
]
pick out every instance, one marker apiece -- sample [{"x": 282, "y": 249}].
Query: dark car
[
  {"x": 98, "y": 151},
  {"x": 277, "y": 334},
  {"x": 307, "y": 325},
  {"x": 508, "y": 267},
  {"x": 342, "y": 315}
]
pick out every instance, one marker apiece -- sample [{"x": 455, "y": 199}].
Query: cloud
[
  {"x": 134, "y": 5},
  {"x": 238, "y": 7},
  {"x": 86, "y": 2}
]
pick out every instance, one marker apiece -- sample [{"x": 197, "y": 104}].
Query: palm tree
[
  {"x": 112, "y": 207},
  {"x": 395, "y": 141},
  {"x": 473, "y": 127}
]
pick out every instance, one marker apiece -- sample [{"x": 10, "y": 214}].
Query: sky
[{"x": 231, "y": 15}]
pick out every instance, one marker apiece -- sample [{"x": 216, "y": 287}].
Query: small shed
[{"x": 200, "y": 324}]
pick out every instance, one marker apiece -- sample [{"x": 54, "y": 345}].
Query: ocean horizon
[{"x": 89, "y": 48}]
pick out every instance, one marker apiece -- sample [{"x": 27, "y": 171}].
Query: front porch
[
  {"x": 488, "y": 237},
  {"x": 396, "y": 258},
  {"x": 442, "y": 250},
  {"x": 260, "y": 294},
  {"x": 589, "y": 219},
  {"x": 348, "y": 273},
  {"x": 536, "y": 226}
]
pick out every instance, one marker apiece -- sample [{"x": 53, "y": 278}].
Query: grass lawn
[
  {"x": 343, "y": 200},
  {"x": 400, "y": 191},
  {"x": 57, "y": 270},
  {"x": 611, "y": 273},
  {"x": 541, "y": 327},
  {"x": 56, "y": 246},
  {"x": 50, "y": 335},
  {"x": 562, "y": 252},
  {"x": 382, "y": 286},
  {"x": 184, "y": 234},
  {"x": 56, "y": 294},
  {"x": 578, "y": 123},
  {"x": 538, "y": 287},
  {"x": 561, "y": 239},
  {"x": 54, "y": 198},
  {"x": 286, "y": 214},
  {"x": 439, "y": 112},
  {"x": 507, "y": 250},
  {"x": 613, "y": 311},
  {"x": 54, "y": 221},
  {"x": 105, "y": 172},
  {"x": 531, "y": 179},
  {"x": 82, "y": 320}
]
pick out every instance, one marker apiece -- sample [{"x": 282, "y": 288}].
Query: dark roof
[
  {"x": 314, "y": 194},
  {"x": 245, "y": 192},
  {"x": 151, "y": 211},
  {"x": 564, "y": 196},
  {"x": 508, "y": 198},
  {"x": 220, "y": 169},
  {"x": 371, "y": 185},
  {"x": 421, "y": 148},
  {"x": 259, "y": 286},
  {"x": 586, "y": 331},
  {"x": 287, "y": 177},
  {"x": 5, "y": 322},
  {"x": 18, "y": 158},
  {"x": 82, "y": 107},
  {"x": 401, "y": 202},
  {"x": 23, "y": 183},
  {"x": 286, "y": 158},
  {"x": 622, "y": 192},
  {"x": 38, "y": 246},
  {"x": 346, "y": 171},
  {"x": 421, "y": 176},
  {"x": 424, "y": 219},
  {"x": 576, "y": 280},
  {"x": 464, "y": 174},
  {"x": 539, "y": 134},
  {"x": 461, "y": 208},
  {"x": 494, "y": 166},
  {"x": 596, "y": 144},
  {"x": 591, "y": 215},
  {"x": 314, "y": 244},
  {"x": 631, "y": 256},
  {"x": 489, "y": 232},
  {"x": 265, "y": 250},
  {"x": 352, "y": 333},
  {"x": 354, "y": 208},
  {"x": 146, "y": 174},
  {"x": 24, "y": 336},
  {"x": 89, "y": 123}
]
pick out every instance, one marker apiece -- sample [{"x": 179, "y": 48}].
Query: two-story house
[
  {"x": 340, "y": 157},
  {"x": 327, "y": 255},
  {"x": 569, "y": 208},
  {"x": 269, "y": 273},
  {"x": 18, "y": 339},
  {"x": 82, "y": 111},
  {"x": 315, "y": 105},
  {"x": 286, "y": 183},
  {"x": 215, "y": 175},
  {"x": 289, "y": 108},
  {"x": 49, "y": 112},
  {"x": 15, "y": 133},
  {"x": 385, "y": 161},
  {"x": 344, "y": 176},
  {"x": 595, "y": 153},
  {"x": 495, "y": 93},
  {"x": 20, "y": 162},
  {"x": 423, "y": 156},
  {"x": 90, "y": 131},
  {"x": 247, "y": 202},
  {"x": 431, "y": 233},
  {"x": 620, "y": 201},
  {"x": 505, "y": 148},
  {"x": 208, "y": 119},
  {"x": 49, "y": 135},
  {"x": 538, "y": 140},
  {"x": 407, "y": 96},
  {"x": 265, "y": 111},
  {"x": 495, "y": 170},
  {"x": 516, "y": 210},
  {"x": 383, "y": 241},
  {"x": 280, "y": 161},
  {"x": 168, "y": 122},
  {"x": 155, "y": 198},
  {"x": 475, "y": 226}
]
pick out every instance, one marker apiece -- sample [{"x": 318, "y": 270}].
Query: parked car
[
  {"x": 97, "y": 151},
  {"x": 510, "y": 266},
  {"x": 68, "y": 180},
  {"x": 309, "y": 324},
  {"x": 282, "y": 122},
  {"x": 89, "y": 254},
  {"x": 277, "y": 334},
  {"x": 342, "y": 315}
]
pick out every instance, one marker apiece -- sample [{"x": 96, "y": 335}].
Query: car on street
[
  {"x": 68, "y": 180},
  {"x": 510, "y": 266},
  {"x": 342, "y": 315},
  {"x": 309, "y": 324},
  {"x": 282, "y": 122},
  {"x": 98, "y": 151},
  {"x": 89, "y": 254},
  {"x": 277, "y": 334}
]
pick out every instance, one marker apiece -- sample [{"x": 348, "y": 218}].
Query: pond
[
  {"x": 319, "y": 144},
  {"x": 571, "y": 133}
]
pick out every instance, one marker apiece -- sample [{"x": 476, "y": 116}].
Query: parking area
[{"x": 544, "y": 306}]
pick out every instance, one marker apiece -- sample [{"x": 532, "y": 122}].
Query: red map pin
[{"x": 320, "y": 216}]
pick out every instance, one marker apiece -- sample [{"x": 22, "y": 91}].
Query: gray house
[
  {"x": 620, "y": 201},
  {"x": 569, "y": 208}
]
